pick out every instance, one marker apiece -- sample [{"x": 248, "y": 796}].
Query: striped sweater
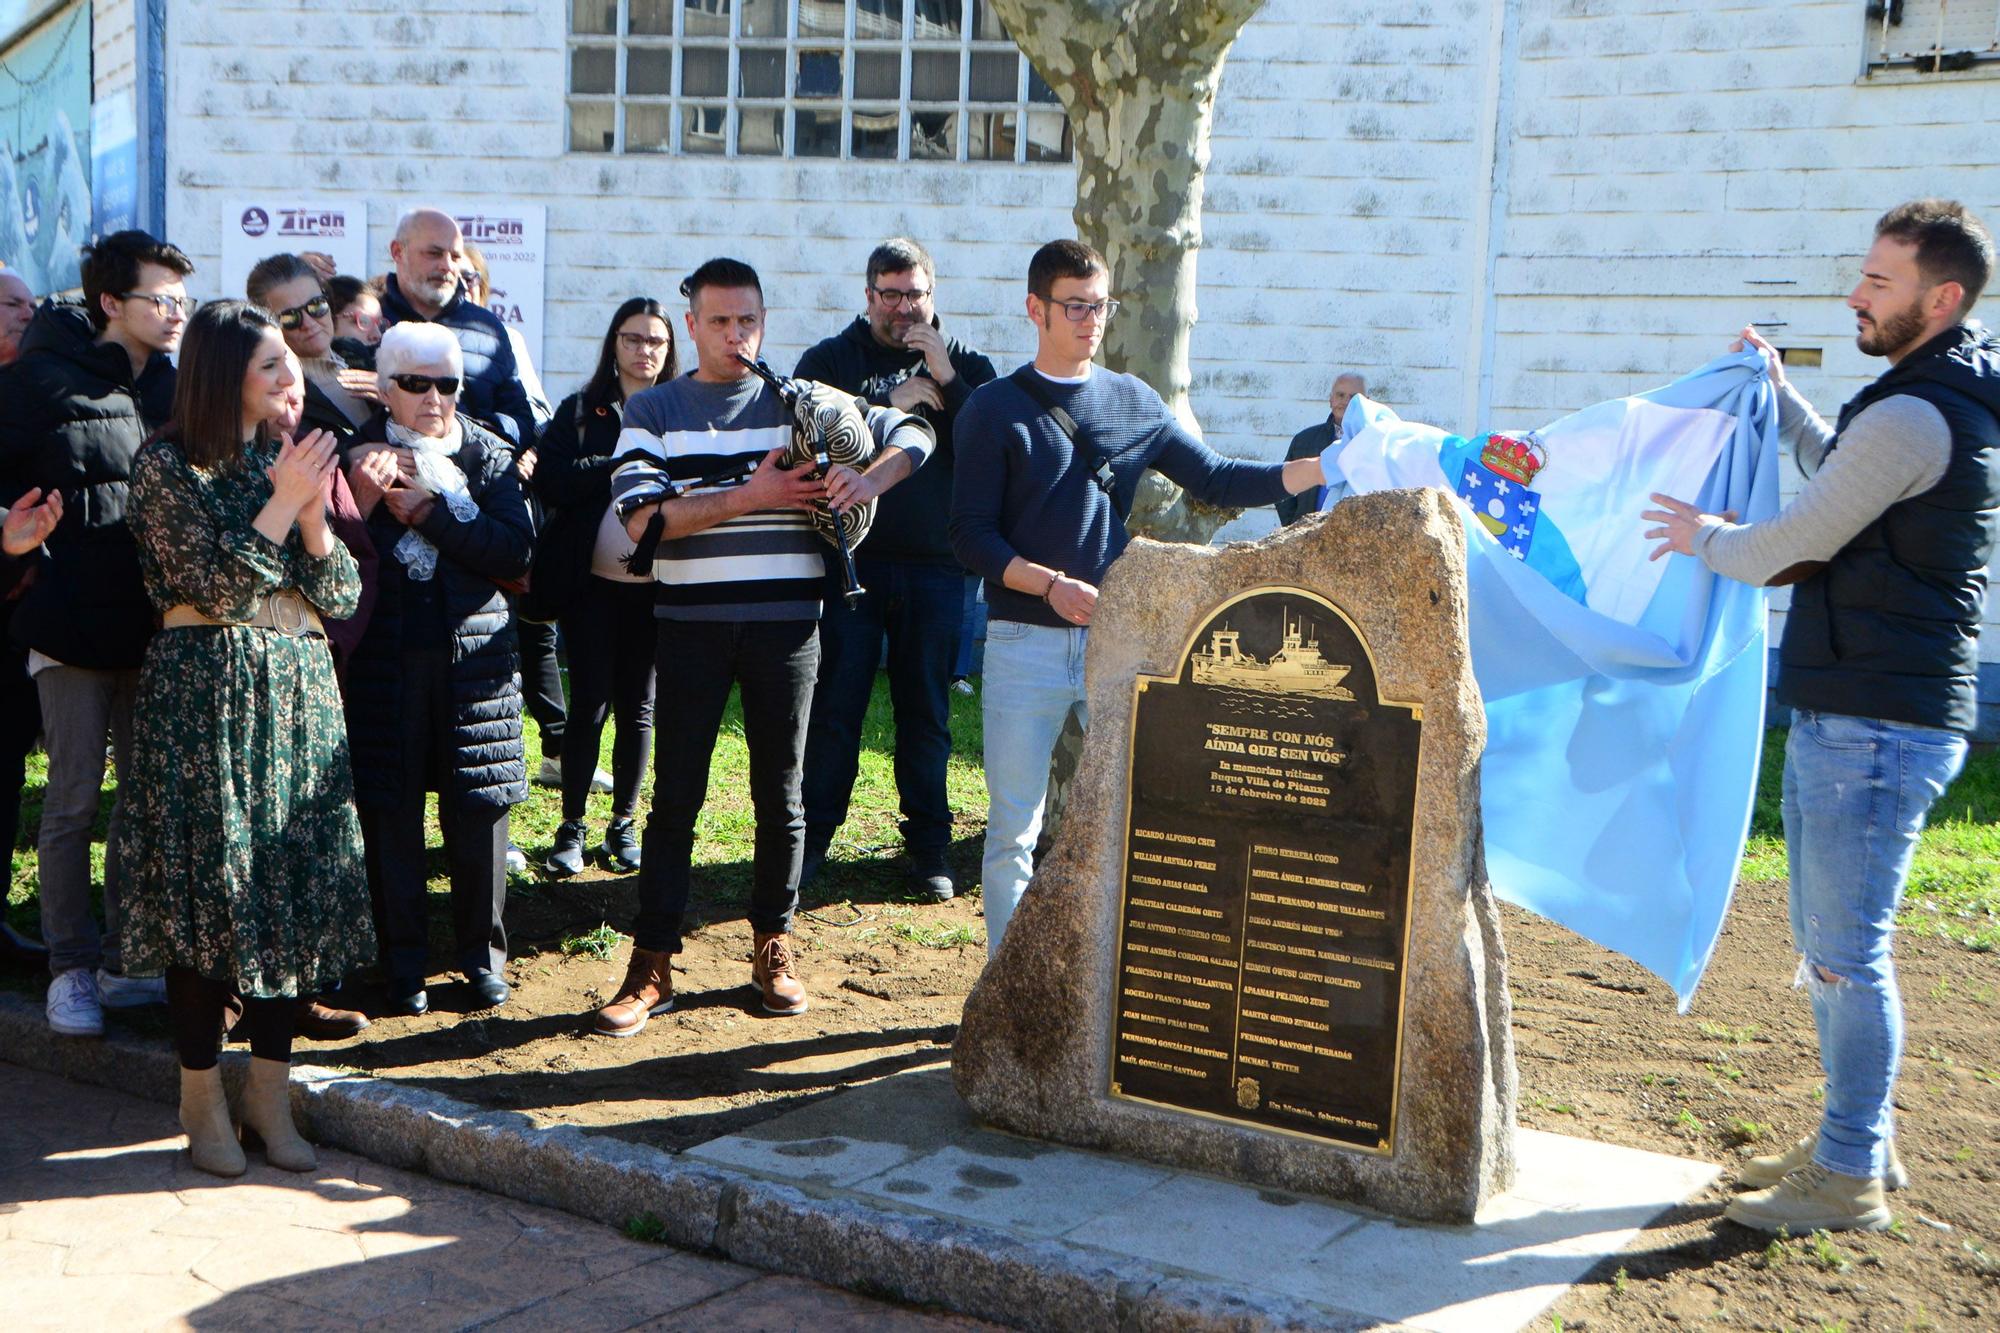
[{"x": 705, "y": 438}]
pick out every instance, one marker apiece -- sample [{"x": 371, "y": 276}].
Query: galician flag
[{"x": 1624, "y": 696}]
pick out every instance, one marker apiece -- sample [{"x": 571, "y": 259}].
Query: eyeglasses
[
  {"x": 640, "y": 342},
  {"x": 1078, "y": 311},
  {"x": 892, "y": 297},
  {"x": 293, "y": 316},
  {"x": 446, "y": 385},
  {"x": 167, "y": 305}
]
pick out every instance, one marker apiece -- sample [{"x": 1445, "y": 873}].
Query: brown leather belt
[{"x": 287, "y": 611}]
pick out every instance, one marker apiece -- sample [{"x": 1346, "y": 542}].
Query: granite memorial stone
[{"x": 1262, "y": 944}]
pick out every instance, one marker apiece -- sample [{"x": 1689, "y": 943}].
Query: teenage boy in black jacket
[
  {"x": 91, "y": 383},
  {"x": 895, "y": 355}
]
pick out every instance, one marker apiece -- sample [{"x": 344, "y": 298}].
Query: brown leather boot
[
  {"x": 771, "y": 970},
  {"x": 648, "y": 990},
  {"x": 318, "y": 1021}
]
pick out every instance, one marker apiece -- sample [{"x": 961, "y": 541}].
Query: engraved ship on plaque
[{"x": 1296, "y": 668}]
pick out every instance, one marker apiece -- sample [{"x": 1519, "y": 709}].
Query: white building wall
[
  {"x": 1321, "y": 184},
  {"x": 1678, "y": 170},
  {"x": 112, "y": 46}
]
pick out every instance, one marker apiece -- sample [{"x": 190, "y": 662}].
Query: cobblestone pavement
[{"x": 104, "y": 1224}]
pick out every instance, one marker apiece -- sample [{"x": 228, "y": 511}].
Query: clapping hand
[
  {"x": 30, "y": 520},
  {"x": 303, "y": 471}
]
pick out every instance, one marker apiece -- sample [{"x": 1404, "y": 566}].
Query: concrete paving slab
[
  {"x": 826, "y": 1160},
  {"x": 1577, "y": 1202},
  {"x": 1044, "y": 1195}
]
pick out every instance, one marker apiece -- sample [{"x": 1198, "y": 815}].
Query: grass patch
[
  {"x": 956, "y": 936},
  {"x": 646, "y": 1227},
  {"x": 1740, "y": 1132},
  {"x": 724, "y": 834},
  {"x": 1954, "y": 890},
  {"x": 600, "y": 943}
]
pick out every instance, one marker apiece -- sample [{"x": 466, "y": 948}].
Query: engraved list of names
[{"x": 1264, "y": 914}]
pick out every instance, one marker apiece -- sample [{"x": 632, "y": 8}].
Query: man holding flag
[{"x": 1887, "y": 547}]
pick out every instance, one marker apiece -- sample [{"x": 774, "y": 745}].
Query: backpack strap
[{"x": 1029, "y": 381}]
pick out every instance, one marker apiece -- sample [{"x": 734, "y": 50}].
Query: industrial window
[
  {"x": 1932, "y": 36},
  {"x": 895, "y": 80}
]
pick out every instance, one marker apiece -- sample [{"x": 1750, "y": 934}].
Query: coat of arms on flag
[{"x": 1497, "y": 486}]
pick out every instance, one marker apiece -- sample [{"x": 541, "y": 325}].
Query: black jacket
[
  {"x": 1308, "y": 443},
  {"x": 1889, "y": 628},
  {"x": 573, "y": 480},
  {"x": 492, "y": 392},
  {"x": 321, "y": 414},
  {"x": 72, "y": 419},
  {"x": 483, "y": 736},
  {"x": 912, "y": 519}
]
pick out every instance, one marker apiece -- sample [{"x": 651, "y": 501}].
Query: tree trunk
[{"x": 1138, "y": 79}]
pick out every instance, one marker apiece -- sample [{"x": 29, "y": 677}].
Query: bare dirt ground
[{"x": 1602, "y": 1055}]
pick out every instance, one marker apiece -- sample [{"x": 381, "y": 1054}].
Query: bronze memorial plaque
[{"x": 1265, "y": 908}]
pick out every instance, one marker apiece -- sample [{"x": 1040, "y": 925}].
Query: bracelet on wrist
[{"x": 1054, "y": 579}]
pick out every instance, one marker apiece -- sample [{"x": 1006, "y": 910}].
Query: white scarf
[{"x": 438, "y": 473}]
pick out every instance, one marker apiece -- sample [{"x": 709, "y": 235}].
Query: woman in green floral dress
[{"x": 242, "y": 847}]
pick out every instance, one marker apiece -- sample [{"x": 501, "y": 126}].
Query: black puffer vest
[{"x": 1889, "y": 628}]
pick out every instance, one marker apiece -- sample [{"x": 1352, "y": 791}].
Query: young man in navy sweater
[{"x": 1041, "y": 518}]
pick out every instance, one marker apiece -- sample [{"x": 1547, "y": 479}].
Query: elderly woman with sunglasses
[
  {"x": 433, "y": 688},
  {"x": 339, "y": 398}
]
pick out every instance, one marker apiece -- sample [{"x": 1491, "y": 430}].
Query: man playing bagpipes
[{"x": 727, "y": 480}]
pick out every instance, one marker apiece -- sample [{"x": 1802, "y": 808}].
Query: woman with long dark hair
[
  {"x": 605, "y": 610},
  {"x": 243, "y": 850}
]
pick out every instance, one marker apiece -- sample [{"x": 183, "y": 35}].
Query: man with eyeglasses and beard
[
  {"x": 895, "y": 355},
  {"x": 92, "y": 381},
  {"x": 1049, "y": 459}
]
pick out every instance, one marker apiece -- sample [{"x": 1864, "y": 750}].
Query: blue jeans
[
  {"x": 1033, "y": 678},
  {"x": 917, "y": 606},
  {"x": 1856, "y": 793}
]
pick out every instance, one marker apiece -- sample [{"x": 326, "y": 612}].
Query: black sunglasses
[
  {"x": 291, "y": 318},
  {"x": 446, "y": 385}
]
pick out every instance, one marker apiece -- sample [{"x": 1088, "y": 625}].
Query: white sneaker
[
  {"x": 117, "y": 991},
  {"x": 72, "y": 1006},
  {"x": 600, "y": 782},
  {"x": 517, "y": 860}
]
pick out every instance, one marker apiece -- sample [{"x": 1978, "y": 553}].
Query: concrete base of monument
[{"x": 1070, "y": 1228}]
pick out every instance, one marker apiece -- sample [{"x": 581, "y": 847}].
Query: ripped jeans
[{"x": 1856, "y": 793}]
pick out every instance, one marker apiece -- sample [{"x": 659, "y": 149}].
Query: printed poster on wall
[
  {"x": 514, "y": 240},
  {"x": 45, "y": 151},
  {"x": 114, "y": 165},
  {"x": 272, "y": 222}
]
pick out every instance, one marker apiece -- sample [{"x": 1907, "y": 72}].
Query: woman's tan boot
[
  {"x": 267, "y": 1109},
  {"x": 205, "y": 1116}
]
